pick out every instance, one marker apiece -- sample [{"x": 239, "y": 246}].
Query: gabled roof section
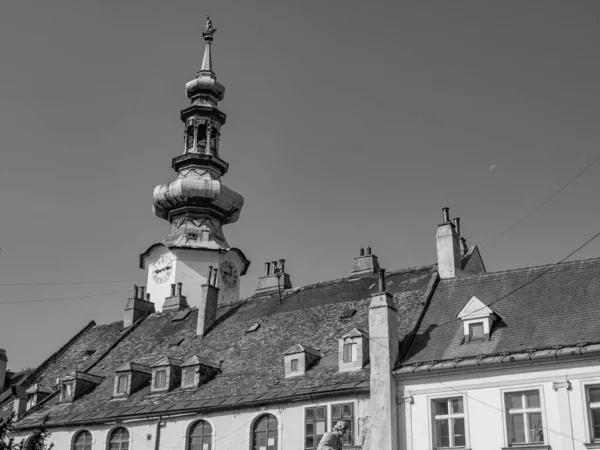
[
  {"x": 299, "y": 348},
  {"x": 355, "y": 333},
  {"x": 475, "y": 309},
  {"x": 539, "y": 308},
  {"x": 167, "y": 361},
  {"x": 133, "y": 367},
  {"x": 195, "y": 360}
]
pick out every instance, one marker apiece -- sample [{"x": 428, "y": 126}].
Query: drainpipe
[{"x": 157, "y": 439}]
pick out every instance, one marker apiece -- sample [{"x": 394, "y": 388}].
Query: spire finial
[{"x": 209, "y": 30}]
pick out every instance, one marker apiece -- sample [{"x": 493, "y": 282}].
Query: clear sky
[{"x": 349, "y": 123}]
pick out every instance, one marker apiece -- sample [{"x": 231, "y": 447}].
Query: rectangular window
[
  {"x": 449, "y": 423},
  {"x": 345, "y": 412},
  {"x": 476, "y": 332},
  {"x": 122, "y": 384},
  {"x": 160, "y": 379},
  {"x": 524, "y": 417},
  {"x": 294, "y": 364},
  {"x": 67, "y": 391},
  {"x": 189, "y": 378},
  {"x": 593, "y": 398},
  {"x": 350, "y": 352},
  {"x": 315, "y": 421}
]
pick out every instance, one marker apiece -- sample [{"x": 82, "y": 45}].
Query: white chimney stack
[{"x": 448, "y": 247}]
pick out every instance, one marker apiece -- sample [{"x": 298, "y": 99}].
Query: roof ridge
[{"x": 522, "y": 269}]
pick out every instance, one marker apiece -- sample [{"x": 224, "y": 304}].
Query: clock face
[
  {"x": 161, "y": 269},
  {"x": 229, "y": 274}
]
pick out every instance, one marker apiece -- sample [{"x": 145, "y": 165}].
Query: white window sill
[
  {"x": 592, "y": 445},
  {"x": 528, "y": 447}
]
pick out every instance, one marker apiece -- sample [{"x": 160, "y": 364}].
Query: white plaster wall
[
  {"x": 231, "y": 429},
  {"x": 564, "y": 412}
]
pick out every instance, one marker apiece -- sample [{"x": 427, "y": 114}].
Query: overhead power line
[
  {"x": 541, "y": 205},
  {"x": 65, "y": 298},
  {"x": 60, "y": 283}
]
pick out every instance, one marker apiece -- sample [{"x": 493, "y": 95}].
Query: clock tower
[{"x": 197, "y": 204}]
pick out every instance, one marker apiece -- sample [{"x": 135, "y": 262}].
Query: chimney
[
  {"x": 3, "y": 363},
  {"x": 136, "y": 307},
  {"x": 364, "y": 264},
  {"x": 448, "y": 247},
  {"x": 274, "y": 279},
  {"x": 383, "y": 348},
  {"x": 462, "y": 241},
  {"x": 176, "y": 301},
  {"x": 19, "y": 395},
  {"x": 207, "y": 309}
]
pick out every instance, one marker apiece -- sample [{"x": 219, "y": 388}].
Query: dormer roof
[
  {"x": 475, "y": 309},
  {"x": 167, "y": 361},
  {"x": 133, "y": 367},
  {"x": 196, "y": 360},
  {"x": 299, "y": 348},
  {"x": 355, "y": 333}
]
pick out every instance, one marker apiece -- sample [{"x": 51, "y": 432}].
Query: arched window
[
  {"x": 265, "y": 433},
  {"x": 28, "y": 444},
  {"x": 82, "y": 441},
  {"x": 119, "y": 439},
  {"x": 200, "y": 436}
]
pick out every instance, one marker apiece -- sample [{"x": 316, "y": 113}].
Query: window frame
[
  {"x": 525, "y": 411},
  {"x": 118, "y": 381},
  {"x": 156, "y": 379},
  {"x": 294, "y": 365},
  {"x": 588, "y": 410},
  {"x": 329, "y": 420},
  {"x": 192, "y": 424},
  {"x": 112, "y": 431},
  {"x": 450, "y": 418},
  {"x": 184, "y": 373},
  {"x": 353, "y": 351},
  {"x": 472, "y": 337},
  {"x": 254, "y": 424},
  {"x": 314, "y": 422},
  {"x": 77, "y": 434}
]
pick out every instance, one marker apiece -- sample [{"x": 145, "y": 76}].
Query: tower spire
[{"x": 208, "y": 34}]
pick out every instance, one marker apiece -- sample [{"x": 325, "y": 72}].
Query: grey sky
[{"x": 349, "y": 123}]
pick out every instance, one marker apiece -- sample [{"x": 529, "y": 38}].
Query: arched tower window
[
  {"x": 119, "y": 439},
  {"x": 264, "y": 433},
  {"x": 200, "y": 436},
  {"x": 82, "y": 441}
]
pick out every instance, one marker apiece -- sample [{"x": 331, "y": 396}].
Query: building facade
[{"x": 434, "y": 357}]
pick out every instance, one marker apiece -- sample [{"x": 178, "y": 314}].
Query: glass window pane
[
  {"x": 321, "y": 428},
  {"x": 347, "y": 352},
  {"x": 310, "y": 414},
  {"x": 516, "y": 434},
  {"x": 457, "y": 405},
  {"x": 596, "y": 423},
  {"x": 514, "y": 400},
  {"x": 272, "y": 423},
  {"x": 459, "y": 432},
  {"x": 347, "y": 410},
  {"x": 310, "y": 428},
  {"x": 320, "y": 413},
  {"x": 533, "y": 399},
  {"x": 476, "y": 330},
  {"x": 536, "y": 431},
  {"x": 594, "y": 394},
  {"x": 441, "y": 407},
  {"x": 309, "y": 442},
  {"x": 294, "y": 367},
  {"x": 442, "y": 433},
  {"x": 336, "y": 412}
]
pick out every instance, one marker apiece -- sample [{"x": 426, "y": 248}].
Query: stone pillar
[
  {"x": 383, "y": 349},
  {"x": 448, "y": 248},
  {"x": 562, "y": 389}
]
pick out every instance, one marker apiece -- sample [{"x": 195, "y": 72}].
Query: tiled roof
[
  {"x": 538, "y": 308},
  {"x": 252, "y": 368}
]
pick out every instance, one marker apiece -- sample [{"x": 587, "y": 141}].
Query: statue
[
  {"x": 209, "y": 30},
  {"x": 333, "y": 440}
]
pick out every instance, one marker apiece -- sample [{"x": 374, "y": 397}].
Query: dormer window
[
  {"x": 166, "y": 374},
  {"x": 298, "y": 359},
  {"x": 353, "y": 350},
  {"x": 477, "y": 319},
  {"x": 130, "y": 378},
  {"x": 74, "y": 386},
  {"x": 197, "y": 371}
]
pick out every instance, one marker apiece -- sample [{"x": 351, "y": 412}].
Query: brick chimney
[
  {"x": 3, "y": 363},
  {"x": 207, "y": 309},
  {"x": 274, "y": 278},
  {"x": 137, "y": 306},
  {"x": 364, "y": 264},
  {"x": 383, "y": 348},
  {"x": 448, "y": 247},
  {"x": 176, "y": 301}
]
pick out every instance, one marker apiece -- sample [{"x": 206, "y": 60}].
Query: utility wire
[
  {"x": 64, "y": 298},
  {"x": 541, "y": 205},
  {"x": 59, "y": 283}
]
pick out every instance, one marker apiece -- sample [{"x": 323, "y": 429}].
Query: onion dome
[{"x": 197, "y": 203}]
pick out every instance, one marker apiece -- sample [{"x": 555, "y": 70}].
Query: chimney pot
[
  {"x": 214, "y": 282},
  {"x": 179, "y": 288},
  {"x": 362, "y": 251},
  {"x": 148, "y": 297},
  {"x": 282, "y": 265},
  {"x": 267, "y": 268},
  {"x": 369, "y": 250},
  {"x": 142, "y": 294},
  {"x": 172, "y": 289},
  {"x": 457, "y": 225},
  {"x": 381, "y": 280},
  {"x": 446, "y": 213},
  {"x": 274, "y": 267},
  {"x": 135, "y": 290},
  {"x": 210, "y": 271}
]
